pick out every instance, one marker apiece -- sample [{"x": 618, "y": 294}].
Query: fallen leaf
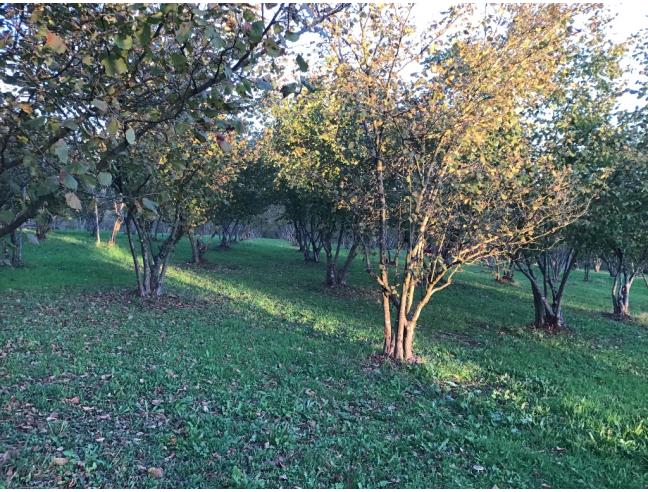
[
  {"x": 60, "y": 461},
  {"x": 73, "y": 401},
  {"x": 478, "y": 468},
  {"x": 52, "y": 416},
  {"x": 155, "y": 472},
  {"x": 155, "y": 403}
]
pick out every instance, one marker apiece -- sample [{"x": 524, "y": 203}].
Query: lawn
[{"x": 252, "y": 374}]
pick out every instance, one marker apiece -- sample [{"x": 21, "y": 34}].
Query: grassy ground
[{"x": 252, "y": 374}]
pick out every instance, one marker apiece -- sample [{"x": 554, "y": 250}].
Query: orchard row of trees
[{"x": 489, "y": 135}]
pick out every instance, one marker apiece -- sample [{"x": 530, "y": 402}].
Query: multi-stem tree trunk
[
  {"x": 336, "y": 275},
  {"x": 151, "y": 271},
  {"x": 225, "y": 231},
  {"x": 624, "y": 271},
  {"x": 554, "y": 268},
  {"x": 43, "y": 226}
]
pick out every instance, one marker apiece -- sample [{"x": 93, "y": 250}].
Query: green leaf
[
  {"x": 150, "y": 204},
  {"x": 61, "y": 151},
  {"x": 124, "y": 42},
  {"x": 28, "y": 160},
  {"x": 105, "y": 179},
  {"x": 73, "y": 201},
  {"x": 303, "y": 66},
  {"x": 183, "y": 32},
  {"x": 113, "y": 126},
  {"x": 291, "y": 36},
  {"x": 256, "y": 32},
  {"x": 6, "y": 216},
  {"x": 130, "y": 136},
  {"x": 272, "y": 48},
  {"x": 100, "y": 105},
  {"x": 144, "y": 35},
  {"x": 263, "y": 84},
  {"x": 288, "y": 89},
  {"x": 71, "y": 124},
  {"x": 69, "y": 181},
  {"x": 179, "y": 61},
  {"x": 114, "y": 65}
]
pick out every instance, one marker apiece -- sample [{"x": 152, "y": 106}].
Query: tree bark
[
  {"x": 150, "y": 278},
  {"x": 549, "y": 315},
  {"x": 343, "y": 273},
  {"x": 388, "y": 345},
  {"x": 195, "y": 250},
  {"x": 621, "y": 296},
  {"x": 16, "y": 238},
  {"x": 97, "y": 222},
  {"x": 119, "y": 220}
]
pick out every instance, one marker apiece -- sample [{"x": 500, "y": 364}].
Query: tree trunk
[
  {"x": 195, "y": 247},
  {"x": 96, "y": 225},
  {"x": 151, "y": 276},
  {"x": 119, "y": 220},
  {"x": 388, "y": 345},
  {"x": 157, "y": 229},
  {"x": 343, "y": 273},
  {"x": 16, "y": 248},
  {"x": 539, "y": 307},
  {"x": 586, "y": 274},
  {"x": 547, "y": 315},
  {"x": 403, "y": 349},
  {"x": 331, "y": 272},
  {"x": 597, "y": 265},
  {"x": 399, "y": 347},
  {"x": 621, "y": 298}
]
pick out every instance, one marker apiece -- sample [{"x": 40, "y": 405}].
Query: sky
[{"x": 630, "y": 17}]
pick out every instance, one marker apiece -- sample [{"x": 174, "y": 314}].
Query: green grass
[{"x": 253, "y": 374}]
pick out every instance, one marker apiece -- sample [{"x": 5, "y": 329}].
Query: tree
[
  {"x": 247, "y": 195},
  {"x": 453, "y": 167},
  {"x": 313, "y": 144},
  {"x": 575, "y": 126},
  {"x": 84, "y": 82},
  {"x": 618, "y": 221},
  {"x": 169, "y": 176}
]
